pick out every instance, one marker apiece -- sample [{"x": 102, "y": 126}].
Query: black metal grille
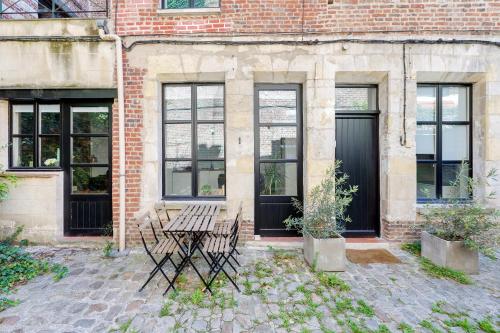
[{"x": 39, "y": 9}]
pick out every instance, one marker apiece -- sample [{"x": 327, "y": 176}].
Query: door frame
[
  {"x": 66, "y": 158},
  {"x": 300, "y": 161},
  {"x": 365, "y": 114}
]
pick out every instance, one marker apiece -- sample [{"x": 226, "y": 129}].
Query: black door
[
  {"x": 356, "y": 136},
  {"x": 87, "y": 165},
  {"x": 278, "y": 156}
]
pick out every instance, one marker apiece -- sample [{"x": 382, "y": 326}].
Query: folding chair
[
  {"x": 165, "y": 247},
  {"x": 162, "y": 213},
  {"x": 220, "y": 249}
]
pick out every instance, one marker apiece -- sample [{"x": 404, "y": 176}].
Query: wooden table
[{"x": 193, "y": 222}]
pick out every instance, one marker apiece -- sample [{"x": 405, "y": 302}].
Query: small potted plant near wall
[
  {"x": 456, "y": 231},
  {"x": 323, "y": 219}
]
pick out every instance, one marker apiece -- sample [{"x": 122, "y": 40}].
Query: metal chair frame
[
  {"x": 147, "y": 222},
  {"x": 220, "y": 258}
]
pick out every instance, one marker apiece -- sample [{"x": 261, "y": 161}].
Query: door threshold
[
  {"x": 363, "y": 243},
  {"x": 89, "y": 242}
]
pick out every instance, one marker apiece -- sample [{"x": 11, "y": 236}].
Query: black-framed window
[
  {"x": 193, "y": 141},
  {"x": 444, "y": 141},
  {"x": 183, "y": 4},
  {"x": 35, "y": 135}
]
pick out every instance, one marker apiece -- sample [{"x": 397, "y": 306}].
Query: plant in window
[
  {"x": 323, "y": 219},
  {"x": 272, "y": 178},
  {"x": 51, "y": 162},
  {"x": 463, "y": 227},
  {"x": 206, "y": 189}
]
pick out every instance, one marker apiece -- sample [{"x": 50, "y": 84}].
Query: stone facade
[
  {"x": 83, "y": 63},
  {"x": 318, "y": 68}
]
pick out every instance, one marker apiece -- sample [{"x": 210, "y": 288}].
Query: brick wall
[{"x": 316, "y": 16}]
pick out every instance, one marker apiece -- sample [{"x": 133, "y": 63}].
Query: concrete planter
[
  {"x": 451, "y": 254},
  {"x": 327, "y": 254}
]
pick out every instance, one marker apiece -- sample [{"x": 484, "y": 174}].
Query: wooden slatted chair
[
  {"x": 221, "y": 249},
  {"x": 163, "y": 247},
  {"x": 162, "y": 213}
]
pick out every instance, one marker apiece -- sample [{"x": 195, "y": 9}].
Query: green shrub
[
  {"x": 18, "y": 266},
  {"x": 468, "y": 220},
  {"x": 324, "y": 215}
]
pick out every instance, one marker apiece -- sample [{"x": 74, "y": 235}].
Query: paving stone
[
  {"x": 84, "y": 323},
  {"x": 100, "y": 294}
]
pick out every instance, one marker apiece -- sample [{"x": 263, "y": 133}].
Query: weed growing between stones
[
  {"x": 414, "y": 248},
  {"x": 107, "y": 249},
  {"x": 125, "y": 327},
  {"x": 444, "y": 272},
  {"x": 434, "y": 270}
]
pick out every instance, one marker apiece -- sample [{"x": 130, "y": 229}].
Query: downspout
[{"x": 121, "y": 131}]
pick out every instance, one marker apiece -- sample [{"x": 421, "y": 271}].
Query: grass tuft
[
  {"x": 444, "y": 272},
  {"x": 414, "y": 248},
  {"x": 487, "y": 326},
  {"x": 405, "y": 328},
  {"x": 332, "y": 281}
]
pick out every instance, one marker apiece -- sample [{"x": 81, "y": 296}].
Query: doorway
[
  {"x": 278, "y": 156},
  {"x": 356, "y": 136}
]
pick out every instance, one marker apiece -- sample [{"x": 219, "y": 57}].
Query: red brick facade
[
  {"x": 140, "y": 17},
  {"x": 253, "y": 17}
]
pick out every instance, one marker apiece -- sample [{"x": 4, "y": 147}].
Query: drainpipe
[{"x": 121, "y": 131}]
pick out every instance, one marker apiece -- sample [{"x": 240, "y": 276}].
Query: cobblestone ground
[{"x": 279, "y": 294}]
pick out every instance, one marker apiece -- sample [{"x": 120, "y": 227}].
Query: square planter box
[
  {"x": 327, "y": 254},
  {"x": 451, "y": 254}
]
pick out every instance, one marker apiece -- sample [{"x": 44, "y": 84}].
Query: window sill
[
  {"x": 179, "y": 204},
  {"x": 34, "y": 173},
  {"x": 188, "y": 11}
]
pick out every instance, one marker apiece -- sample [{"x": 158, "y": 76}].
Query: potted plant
[
  {"x": 456, "y": 231},
  {"x": 323, "y": 220}
]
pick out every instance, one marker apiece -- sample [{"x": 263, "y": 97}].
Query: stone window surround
[
  {"x": 195, "y": 160},
  {"x": 438, "y": 124}
]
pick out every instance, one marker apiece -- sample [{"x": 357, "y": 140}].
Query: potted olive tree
[
  {"x": 323, "y": 219},
  {"x": 456, "y": 231}
]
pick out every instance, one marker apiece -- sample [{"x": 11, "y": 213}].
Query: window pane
[
  {"x": 22, "y": 152},
  {"x": 178, "y": 140},
  {"x": 455, "y": 181},
  {"x": 22, "y": 119},
  {"x": 211, "y": 178},
  {"x": 206, "y": 3},
  {"x": 455, "y": 142},
  {"x": 210, "y": 141},
  {"x": 210, "y": 102},
  {"x": 89, "y": 179},
  {"x": 50, "y": 118},
  {"x": 178, "y": 178},
  {"x": 426, "y": 142},
  {"x": 178, "y": 103},
  {"x": 355, "y": 98},
  {"x": 90, "y": 120},
  {"x": 278, "y": 179},
  {"x": 90, "y": 150},
  {"x": 455, "y": 105},
  {"x": 277, "y": 106},
  {"x": 426, "y": 181},
  {"x": 174, "y": 4},
  {"x": 50, "y": 151},
  {"x": 278, "y": 142},
  {"x": 426, "y": 103}
]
